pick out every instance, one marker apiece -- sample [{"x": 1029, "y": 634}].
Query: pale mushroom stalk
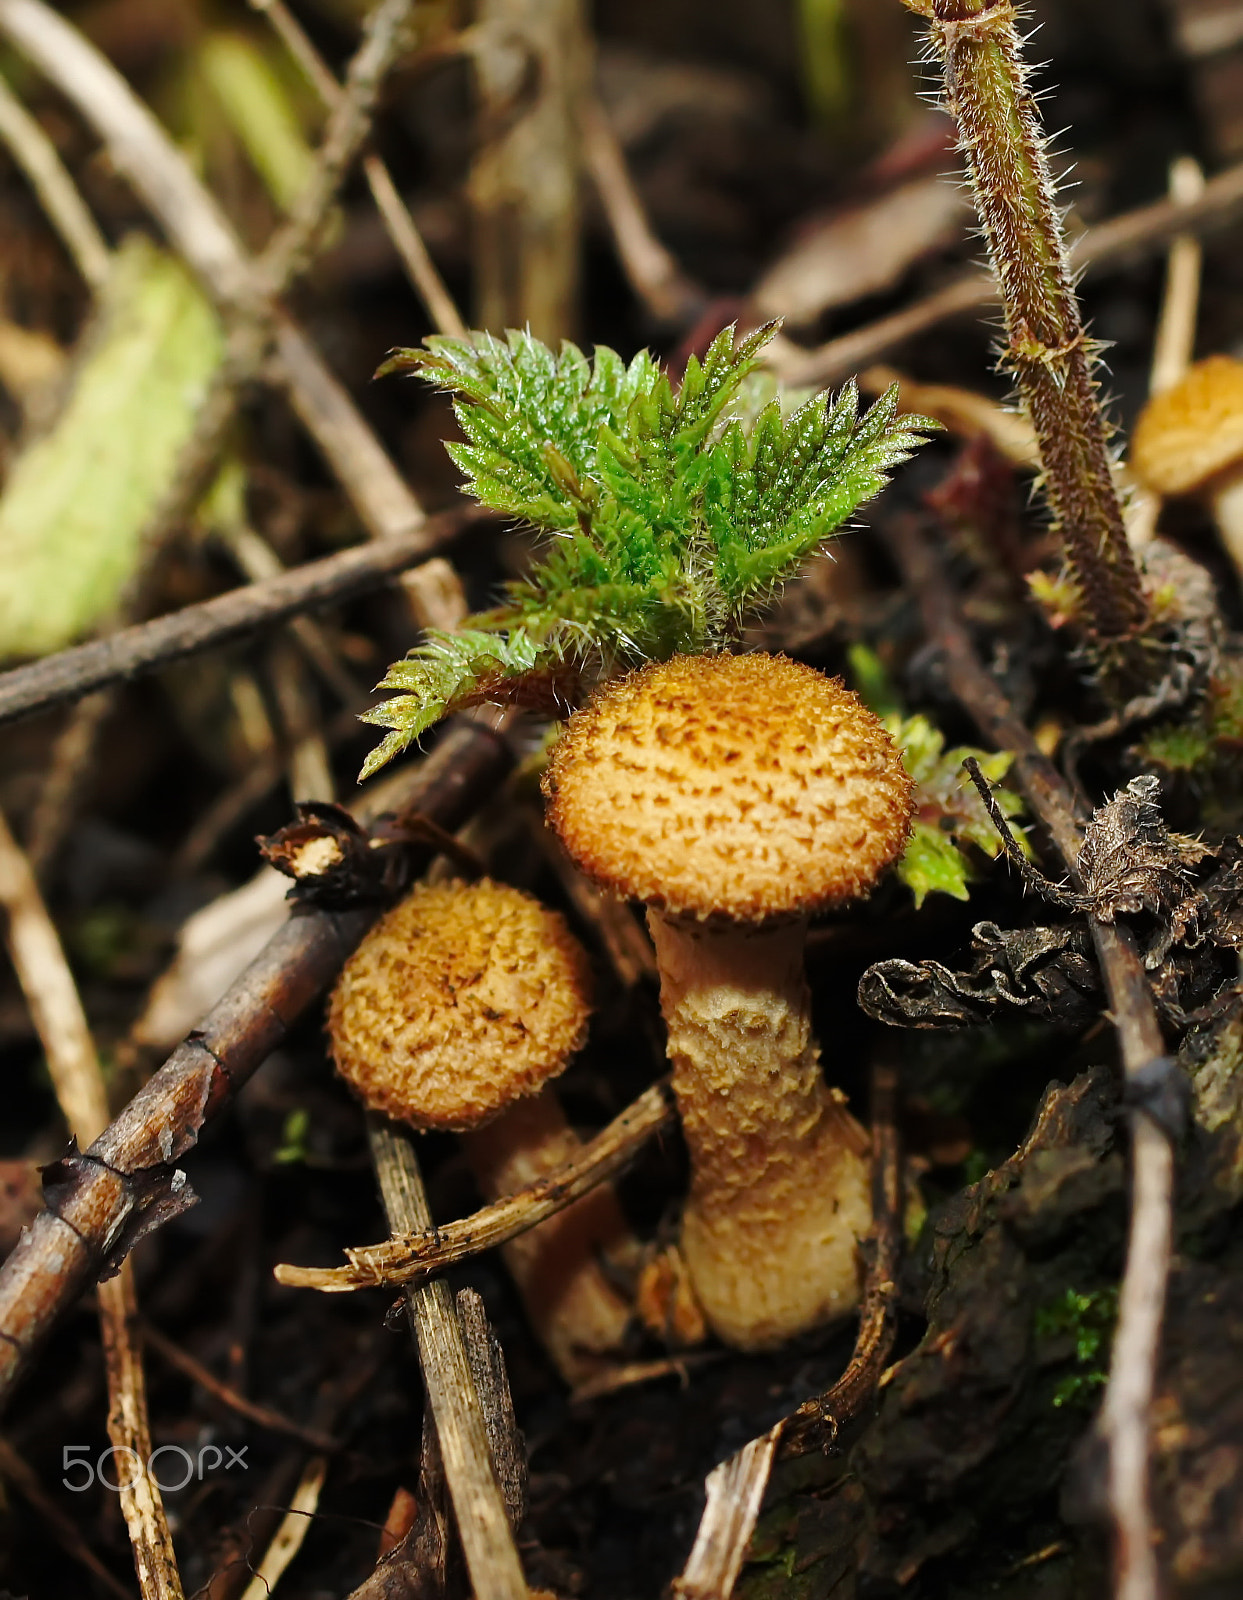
[
  {"x": 735, "y": 796},
  {"x": 1188, "y": 440},
  {"x": 558, "y": 1268},
  {"x": 767, "y": 1136},
  {"x": 454, "y": 1013}
]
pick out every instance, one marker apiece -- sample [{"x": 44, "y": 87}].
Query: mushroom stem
[
  {"x": 575, "y": 1311},
  {"x": 1228, "y": 513},
  {"x": 780, "y": 1188}
]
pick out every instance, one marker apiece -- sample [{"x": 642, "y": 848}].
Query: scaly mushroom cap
[
  {"x": 1189, "y": 433},
  {"x": 739, "y": 788},
  {"x": 460, "y": 1000}
]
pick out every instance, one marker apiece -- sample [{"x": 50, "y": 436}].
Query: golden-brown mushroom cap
[
  {"x": 1192, "y": 431},
  {"x": 740, "y": 788},
  {"x": 463, "y": 998}
]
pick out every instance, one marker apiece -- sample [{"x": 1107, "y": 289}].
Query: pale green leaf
[{"x": 77, "y": 500}]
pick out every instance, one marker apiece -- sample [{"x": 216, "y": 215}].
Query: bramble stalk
[{"x": 1047, "y": 348}]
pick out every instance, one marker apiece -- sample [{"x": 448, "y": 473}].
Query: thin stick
[
  {"x": 651, "y": 269},
  {"x": 1174, "y": 344},
  {"x": 73, "y": 1064},
  {"x": 1124, "y": 1422},
  {"x": 400, "y": 225},
  {"x": 262, "y": 1416},
  {"x": 127, "y": 1181},
  {"x": 416, "y": 1257},
  {"x": 151, "y": 645},
  {"x": 1180, "y": 303},
  {"x": 142, "y": 151},
  {"x": 349, "y": 122},
  {"x": 425, "y": 280},
  {"x": 72, "y": 756},
  {"x": 478, "y": 1503},
  {"x": 293, "y": 1529},
  {"x": 35, "y": 153},
  {"x": 20, "y": 1475},
  {"x": 1124, "y": 238}
]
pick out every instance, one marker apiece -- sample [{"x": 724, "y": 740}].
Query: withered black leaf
[
  {"x": 1047, "y": 973},
  {"x": 1130, "y": 865}
]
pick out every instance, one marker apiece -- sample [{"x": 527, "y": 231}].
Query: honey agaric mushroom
[
  {"x": 1189, "y": 440},
  {"x": 736, "y": 795},
  {"x": 454, "y": 1013}
]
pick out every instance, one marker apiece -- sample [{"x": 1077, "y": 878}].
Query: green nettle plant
[{"x": 671, "y": 520}]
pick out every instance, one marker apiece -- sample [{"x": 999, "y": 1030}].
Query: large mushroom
[
  {"x": 735, "y": 796},
  {"x": 454, "y": 1013}
]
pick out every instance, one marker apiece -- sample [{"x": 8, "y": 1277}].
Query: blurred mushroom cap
[
  {"x": 462, "y": 999},
  {"x": 1188, "y": 434},
  {"x": 733, "y": 788}
]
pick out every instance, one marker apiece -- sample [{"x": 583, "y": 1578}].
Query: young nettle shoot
[
  {"x": 669, "y": 523},
  {"x": 454, "y": 1013}
]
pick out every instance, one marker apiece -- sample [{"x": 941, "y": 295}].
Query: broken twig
[
  {"x": 150, "y": 645},
  {"x": 416, "y": 1257}
]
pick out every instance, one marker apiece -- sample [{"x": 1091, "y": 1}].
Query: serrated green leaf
[
  {"x": 932, "y": 862},
  {"x": 670, "y": 520}
]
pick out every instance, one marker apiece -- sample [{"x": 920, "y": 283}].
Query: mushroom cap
[
  {"x": 463, "y": 998},
  {"x": 732, "y": 788},
  {"x": 1192, "y": 431}
]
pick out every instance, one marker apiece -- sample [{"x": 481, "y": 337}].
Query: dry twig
[
  {"x": 1124, "y": 1421},
  {"x": 35, "y": 153},
  {"x": 413, "y": 1258},
  {"x": 149, "y": 645},
  {"x": 408, "y": 242},
  {"x": 1108, "y": 244},
  {"x": 651, "y": 269},
  {"x": 74, "y": 1066},
  {"x": 478, "y": 1503}
]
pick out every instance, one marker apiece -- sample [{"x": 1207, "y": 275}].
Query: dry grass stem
[
  {"x": 394, "y": 213},
  {"x": 66, "y": 210},
  {"x": 293, "y": 1529},
  {"x": 735, "y": 1492},
  {"x": 414, "y": 1256},
  {"x": 227, "y": 1395},
  {"x": 479, "y": 1506},
  {"x": 651, "y": 269},
  {"x": 73, "y": 1064}
]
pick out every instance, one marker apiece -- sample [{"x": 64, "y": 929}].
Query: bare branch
[
  {"x": 149, "y": 645},
  {"x": 52, "y": 996}
]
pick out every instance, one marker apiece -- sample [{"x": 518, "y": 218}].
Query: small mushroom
[
  {"x": 1189, "y": 440},
  {"x": 735, "y": 796},
  {"x": 454, "y": 1013}
]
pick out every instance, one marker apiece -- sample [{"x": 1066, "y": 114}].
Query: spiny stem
[{"x": 1047, "y": 349}]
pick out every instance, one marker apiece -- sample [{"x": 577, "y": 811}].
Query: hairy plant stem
[{"x": 1047, "y": 348}]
